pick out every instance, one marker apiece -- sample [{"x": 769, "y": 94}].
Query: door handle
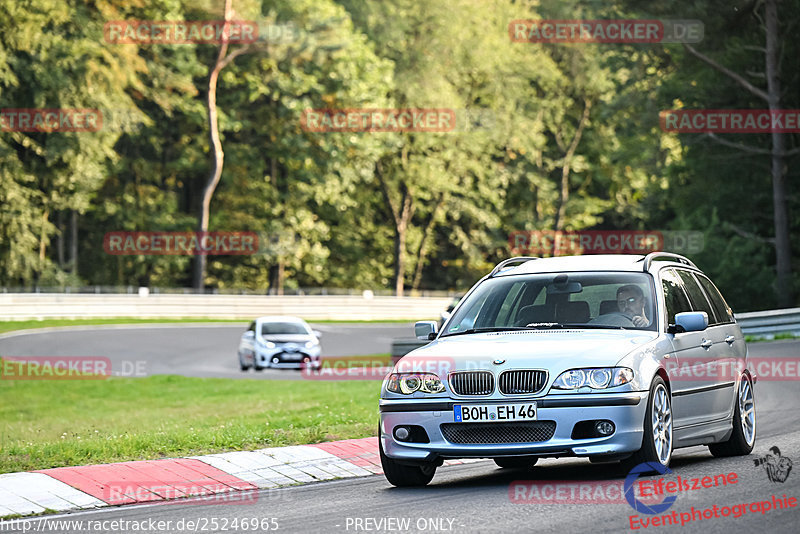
[
  {"x": 706, "y": 344},
  {"x": 729, "y": 340}
]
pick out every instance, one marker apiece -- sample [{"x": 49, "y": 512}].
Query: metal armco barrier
[
  {"x": 766, "y": 323},
  {"x": 401, "y": 347},
  {"x": 36, "y": 306}
]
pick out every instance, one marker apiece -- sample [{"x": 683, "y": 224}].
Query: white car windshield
[
  {"x": 556, "y": 300},
  {"x": 271, "y": 329}
]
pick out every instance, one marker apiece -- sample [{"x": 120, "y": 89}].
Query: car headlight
[
  {"x": 408, "y": 383},
  {"x": 268, "y": 344},
  {"x": 596, "y": 378},
  {"x": 310, "y": 344}
]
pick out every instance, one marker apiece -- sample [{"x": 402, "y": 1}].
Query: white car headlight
[
  {"x": 268, "y": 344},
  {"x": 408, "y": 383},
  {"x": 596, "y": 378},
  {"x": 310, "y": 344}
]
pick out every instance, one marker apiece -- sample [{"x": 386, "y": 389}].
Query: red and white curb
[{"x": 235, "y": 474}]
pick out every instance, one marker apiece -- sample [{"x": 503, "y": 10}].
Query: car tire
[
  {"x": 516, "y": 462},
  {"x": 242, "y": 365},
  {"x": 743, "y": 438},
  {"x": 659, "y": 403},
  {"x": 405, "y": 475}
]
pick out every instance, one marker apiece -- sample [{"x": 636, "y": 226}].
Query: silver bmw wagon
[{"x": 618, "y": 358}]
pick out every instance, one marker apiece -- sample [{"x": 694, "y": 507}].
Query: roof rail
[
  {"x": 509, "y": 261},
  {"x": 669, "y": 256}
]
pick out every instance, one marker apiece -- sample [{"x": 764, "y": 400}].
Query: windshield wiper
[
  {"x": 595, "y": 326},
  {"x": 486, "y": 329}
]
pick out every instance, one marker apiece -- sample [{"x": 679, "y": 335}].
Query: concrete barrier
[{"x": 37, "y": 306}]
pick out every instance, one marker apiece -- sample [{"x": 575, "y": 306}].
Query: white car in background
[{"x": 279, "y": 341}]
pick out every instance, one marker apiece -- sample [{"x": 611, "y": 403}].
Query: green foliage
[{"x": 319, "y": 200}]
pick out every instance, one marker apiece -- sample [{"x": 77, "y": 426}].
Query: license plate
[{"x": 492, "y": 413}]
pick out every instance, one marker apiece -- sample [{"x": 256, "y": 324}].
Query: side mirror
[
  {"x": 692, "y": 321},
  {"x": 424, "y": 329},
  {"x": 249, "y": 333},
  {"x": 317, "y": 333}
]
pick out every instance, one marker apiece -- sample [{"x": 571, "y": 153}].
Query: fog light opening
[
  {"x": 401, "y": 433},
  {"x": 604, "y": 428},
  {"x": 276, "y": 360}
]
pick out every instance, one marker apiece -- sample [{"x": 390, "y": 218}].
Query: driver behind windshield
[{"x": 631, "y": 302}]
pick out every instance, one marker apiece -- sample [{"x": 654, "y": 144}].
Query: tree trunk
[
  {"x": 42, "y": 238},
  {"x": 783, "y": 254},
  {"x": 400, "y": 259},
  {"x": 422, "y": 252},
  {"x": 402, "y": 217},
  {"x": 566, "y": 168},
  {"x": 218, "y": 155},
  {"x": 60, "y": 242},
  {"x": 280, "y": 276},
  {"x": 73, "y": 244}
]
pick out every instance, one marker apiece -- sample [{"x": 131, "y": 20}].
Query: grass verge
[
  {"x": 10, "y": 326},
  {"x": 55, "y": 423}
]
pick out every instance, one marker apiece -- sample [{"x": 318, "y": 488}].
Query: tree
[{"x": 784, "y": 289}]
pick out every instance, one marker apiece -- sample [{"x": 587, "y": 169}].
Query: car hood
[
  {"x": 288, "y": 338},
  {"x": 551, "y": 349}
]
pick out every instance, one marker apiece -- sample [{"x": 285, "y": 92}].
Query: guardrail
[
  {"x": 401, "y": 347},
  {"x": 37, "y": 306},
  {"x": 769, "y": 323}
]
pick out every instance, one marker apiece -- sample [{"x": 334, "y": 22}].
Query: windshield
[
  {"x": 553, "y": 300},
  {"x": 271, "y": 329}
]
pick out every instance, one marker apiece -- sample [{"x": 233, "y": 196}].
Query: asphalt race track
[
  {"x": 190, "y": 349},
  {"x": 472, "y": 497}
]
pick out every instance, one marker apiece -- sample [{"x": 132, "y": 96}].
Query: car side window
[
  {"x": 674, "y": 296},
  {"x": 724, "y": 313},
  {"x": 697, "y": 297},
  {"x": 252, "y": 327}
]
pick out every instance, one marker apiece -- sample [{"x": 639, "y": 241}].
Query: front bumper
[
  {"x": 289, "y": 360},
  {"x": 626, "y": 411}
]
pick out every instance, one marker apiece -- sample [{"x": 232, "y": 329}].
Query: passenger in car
[{"x": 631, "y": 302}]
